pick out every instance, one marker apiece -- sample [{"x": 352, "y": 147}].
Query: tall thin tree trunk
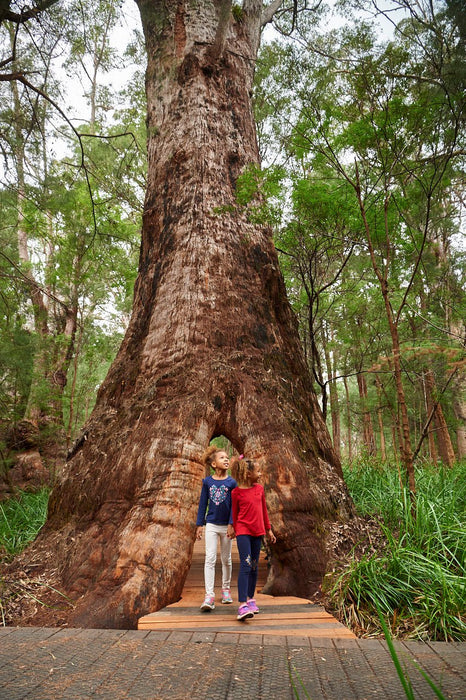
[
  {"x": 430, "y": 434},
  {"x": 383, "y": 451},
  {"x": 445, "y": 447},
  {"x": 212, "y": 349},
  {"x": 367, "y": 427},
  {"x": 51, "y": 358},
  {"x": 459, "y": 407},
  {"x": 69, "y": 427},
  {"x": 333, "y": 393},
  {"x": 349, "y": 435},
  {"x": 381, "y": 274}
]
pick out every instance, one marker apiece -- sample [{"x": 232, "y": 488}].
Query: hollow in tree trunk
[{"x": 212, "y": 349}]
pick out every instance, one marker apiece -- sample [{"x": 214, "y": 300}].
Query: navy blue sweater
[{"x": 216, "y": 493}]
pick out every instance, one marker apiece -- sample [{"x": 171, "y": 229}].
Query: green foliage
[
  {"x": 98, "y": 348},
  {"x": 370, "y": 137},
  {"x": 21, "y": 518},
  {"x": 79, "y": 217},
  {"x": 16, "y": 341},
  {"x": 237, "y": 12},
  {"x": 418, "y": 579},
  {"x": 258, "y": 193}
]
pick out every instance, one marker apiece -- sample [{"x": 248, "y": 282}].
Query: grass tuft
[
  {"x": 21, "y": 518},
  {"x": 418, "y": 580}
]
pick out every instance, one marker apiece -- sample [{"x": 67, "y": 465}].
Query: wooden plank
[
  {"x": 220, "y": 617},
  {"x": 301, "y": 631},
  {"x": 158, "y": 623}
]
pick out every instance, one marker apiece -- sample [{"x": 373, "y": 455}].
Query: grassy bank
[{"x": 418, "y": 578}]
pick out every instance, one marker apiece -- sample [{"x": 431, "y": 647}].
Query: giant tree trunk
[{"x": 212, "y": 348}]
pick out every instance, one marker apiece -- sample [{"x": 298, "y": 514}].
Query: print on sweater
[{"x": 218, "y": 494}]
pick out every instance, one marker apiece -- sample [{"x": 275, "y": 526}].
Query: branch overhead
[
  {"x": 6, "y": 13},
  {"x": 269, "y": 11}
]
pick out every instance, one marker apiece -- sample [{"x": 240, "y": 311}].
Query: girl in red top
[{"x": 250, "y": 522}]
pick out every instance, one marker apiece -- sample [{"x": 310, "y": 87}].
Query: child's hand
[
  {"x": 231, "y": 532},
  {"x": 199, "y": 532},
  {"x": 271, "y": 536}
]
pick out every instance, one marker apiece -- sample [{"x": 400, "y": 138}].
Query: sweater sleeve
[
  {"x": 233, "y": 486},
  {"x": 265, "y": 513},
  {"x": 234, "y": 508},
  {"x": 201, "y": 511}
]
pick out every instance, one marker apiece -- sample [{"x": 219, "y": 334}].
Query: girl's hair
[
  {"x": 241, "y": 468},
  {"x": 209, "y": 456}
]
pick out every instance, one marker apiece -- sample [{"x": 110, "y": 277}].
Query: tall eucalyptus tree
[{"x": 212, "y": 348}]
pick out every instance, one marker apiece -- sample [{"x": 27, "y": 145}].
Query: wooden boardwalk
[{"x": 278, "y": 617}]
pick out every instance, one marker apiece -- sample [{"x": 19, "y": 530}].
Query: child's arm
[
  {"x": 234, "y": 509},
  {"x": 230, "y": 529},
  {"x": 203, "y": 500},
  {"x": 268, "y": 527}
]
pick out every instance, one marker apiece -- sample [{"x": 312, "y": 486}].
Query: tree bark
[
  {"x": 383, "y": 451},
  {"x": 367, "y": 427},
  {"x": 333, "y": 393},
  {"x": 445, "y": 447},
  {"x": 392, "y": 319},
  {"x": 430, "y": 434},
  {"x": 212, "y": 349},
  {"x": 349, "y": 434}
]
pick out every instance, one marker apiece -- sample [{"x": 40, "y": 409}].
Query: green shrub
[{"x": 418, "y": 580}]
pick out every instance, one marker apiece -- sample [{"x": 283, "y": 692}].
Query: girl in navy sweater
[
  {"x": 215, "y": 513},
  {"x": 251, "y": 522}
]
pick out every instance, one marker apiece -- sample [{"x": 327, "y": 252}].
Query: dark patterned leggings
[{"x": 249, "y": 548}]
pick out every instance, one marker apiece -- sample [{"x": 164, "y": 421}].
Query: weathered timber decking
[{"x": 279, "y": 616}]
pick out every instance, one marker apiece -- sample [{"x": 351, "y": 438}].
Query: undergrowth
[
  {"x": 21, "y": 518},
  {"x": 418, "y": 580}
]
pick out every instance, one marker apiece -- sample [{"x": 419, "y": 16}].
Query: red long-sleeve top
[{"x": 249, "y": 511}]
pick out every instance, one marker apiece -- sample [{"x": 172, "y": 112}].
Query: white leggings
[{"x": 212, "y": 534}]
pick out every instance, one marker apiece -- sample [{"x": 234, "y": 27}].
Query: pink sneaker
[
  {"x": 244, "y": 613},
  {"x": 226, "y": 595},
  {"x": 208, "y": 604},
  {"x": 252, "y": 606}
]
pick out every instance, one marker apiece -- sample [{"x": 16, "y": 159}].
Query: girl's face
[
  {"x": 220, "y": 462},
  {"x": 255, "y": 475}
]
